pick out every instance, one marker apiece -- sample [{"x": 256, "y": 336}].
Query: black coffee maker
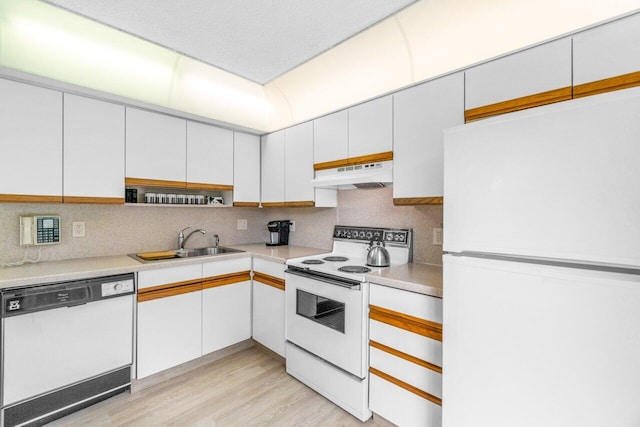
[{"x": 278, "y": 232}]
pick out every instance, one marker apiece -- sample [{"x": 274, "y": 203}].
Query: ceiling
[{"x": 255, "y": 39}]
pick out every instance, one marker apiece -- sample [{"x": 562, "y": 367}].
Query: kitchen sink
[{"x": 182, "y": 253}]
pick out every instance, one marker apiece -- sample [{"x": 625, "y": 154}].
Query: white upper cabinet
[
  {"x": 209, "y": 154},
  {"x": 529, "y": 73},
  {"x": 30, "y": 142},
  {"x": 370, "y": 127},
  {"x": 607, "y": 51},
  {"x": 272, "y": 167},
  {"x": 246, "y": 168},
  {"x": 156, "y": 146},
  {"x": 420, "y": 115},
  {"x": 93, "y": 150},
  {"x": 331, "y": 137},
  {"x": 298, "y": 163}
]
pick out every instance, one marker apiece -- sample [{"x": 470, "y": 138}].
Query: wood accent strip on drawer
[
  {"x": 94, "y": 200},
  {"x": 143, "y": 182},
  {"x": 370, "y": 158},
  {"x": 208, "y": 187},
  {"x": 25, "y": 198},
  {"x": 226, "y": 279},
  {"x": 276, "y": 282},
  {"x": 274, "y": 204},
  {"x": 413, "y": 324},
  {"x": 430, "y": 397},
  {"x": 410, "y": 201},
  {"x": 610, "y": 84},
  {"x": 169, "y": 290},
  {"x": 405, "y": 356},
  {"x": 530, "y": 101},
  {"x": 246, "y": 204}
]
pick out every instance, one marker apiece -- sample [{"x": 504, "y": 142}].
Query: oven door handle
[{"x": 349, "y": 284}]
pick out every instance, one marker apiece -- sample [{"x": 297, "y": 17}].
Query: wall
[
  {"x": 117, "y": 230},
  {"x": 370, "y": 207}
]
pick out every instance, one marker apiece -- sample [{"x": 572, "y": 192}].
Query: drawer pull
[{"x": 430, "y": 397}]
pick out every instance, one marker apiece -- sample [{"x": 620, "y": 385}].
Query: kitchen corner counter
[
  {"x": 414, "y": 277},
  {"x": 65, "y": 270},
  {"x": 278, "y": 254}
]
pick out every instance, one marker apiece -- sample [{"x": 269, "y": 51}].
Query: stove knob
[
  {"x": 390, "y": 236},
  {"x": 348, "y": 234},
  {"x": 369, "y": 235},
  {"x": 362, "y": 234}
]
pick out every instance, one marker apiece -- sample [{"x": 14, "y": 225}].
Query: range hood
[{"x": 370, "y": 175}]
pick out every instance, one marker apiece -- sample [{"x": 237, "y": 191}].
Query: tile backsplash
[{"x": 117, "y": 230}]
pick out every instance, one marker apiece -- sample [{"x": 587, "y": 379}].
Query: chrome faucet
[
  {"x": 216, "y": 239},
  {"x": 182, "y": 239}
]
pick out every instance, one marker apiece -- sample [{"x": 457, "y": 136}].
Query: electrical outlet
[
  {"x": 242, "y": 224},
  {"x": 437, "y": 236},
  {"x": 292, "y": 227},
  {"x": 78, "y": 229}
]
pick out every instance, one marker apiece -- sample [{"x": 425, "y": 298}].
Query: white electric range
[{"x": 326, "y": 298}]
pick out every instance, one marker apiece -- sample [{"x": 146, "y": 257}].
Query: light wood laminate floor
[{"x": 249, "y": 388}]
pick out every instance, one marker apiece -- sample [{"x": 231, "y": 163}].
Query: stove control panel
[{"x": 398, "y": 237}]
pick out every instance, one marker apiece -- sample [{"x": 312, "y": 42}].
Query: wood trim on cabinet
[
  {"x": 94, "y": 200},
  {"x": 409, "y": 323},
  {"x": 208, "y": 187},
  {"x": 610, "y": 84},
  {"x": 144, "y": 182},
  {"x": 529, "y": 101},
  {"x": 274, "y": 204},
  {"x": 169, "y": 290},
  {"x": 226, "y": 279},
  {"x": 405, "y": 356},
  {"x": 410, "y": 201},
  {"x": 301, "y": 204},
  {"x": 25, "y": 198},
  {"x": 351, "y": 161},
  {"x": 246, "y": 204},
  {"x": 428, "y": 396},
  {"x": 276, "y": 282}
]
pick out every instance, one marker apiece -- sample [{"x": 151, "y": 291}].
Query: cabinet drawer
[
  {"x": 163, "y": 276},
  {"x": 415, "y": 345},
  {"x": 401, "y": 406},
  {"x": 406, "y": 371},
  {"x": 411, "y": 303},
  {"x": 268, "y": 267},
  {"x": 218, "y": 268}
]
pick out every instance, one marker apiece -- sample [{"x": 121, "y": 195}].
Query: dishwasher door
[{"x": 51, "y": 349}]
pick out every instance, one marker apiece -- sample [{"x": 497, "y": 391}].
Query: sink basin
[
  {"x": 182, "y": 253},
  {"x": 217, "y": 250}
]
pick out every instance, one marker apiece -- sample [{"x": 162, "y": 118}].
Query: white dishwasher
[{"x": 65, "y": 346}]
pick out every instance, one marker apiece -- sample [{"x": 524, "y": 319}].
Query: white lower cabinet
[
  {"x": 405, "y": 356},
  {"x": 226, "y": 303},
  {"x": 268, "y": 305}
]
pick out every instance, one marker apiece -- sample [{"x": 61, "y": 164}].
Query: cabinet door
[
  {"x": 268, "y": 305},
  {"x": 31, "y": 143},
  {"x": 268, "y": 317},
  {"x": 298, "y": 163},
  {"x": 169, "y": 332},
  {"x": 607, "y": 57},
  {"x": 420, "y": 115},
  {"x": 93, "y": 151},
  {"x": 156, "y": 146},
  {"x": 533, "y": 77},
  {"x": 331, "y": 137},
  {"x": 272, "y": 168},
  {"x": 209, "y": 154},
  {"x": 370, "y": 127},
  {"x": 246, "y": 169},
  {"x": 226, "y": 303}
]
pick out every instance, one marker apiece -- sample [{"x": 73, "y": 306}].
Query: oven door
[{"x": 326, "y": 318}]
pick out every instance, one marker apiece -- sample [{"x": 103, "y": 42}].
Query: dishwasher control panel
[{"x": 116, "y": 288}]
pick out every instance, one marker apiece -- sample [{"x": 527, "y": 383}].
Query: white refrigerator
[{"x": 542, "y": 267}]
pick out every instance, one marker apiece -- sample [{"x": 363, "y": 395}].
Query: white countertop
[{"x": 421, "y": 278}]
